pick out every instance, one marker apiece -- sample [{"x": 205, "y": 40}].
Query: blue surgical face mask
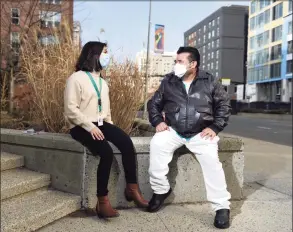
[{"x": 104, "y": 60}]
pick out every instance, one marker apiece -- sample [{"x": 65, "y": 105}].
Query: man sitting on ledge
[{"x": 196, "y": 108}]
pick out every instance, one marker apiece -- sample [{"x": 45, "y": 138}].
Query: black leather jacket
[{"x": 207, "y": 104}]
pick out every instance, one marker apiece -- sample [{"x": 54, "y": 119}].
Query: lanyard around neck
[{"x": 97, "y": 90}]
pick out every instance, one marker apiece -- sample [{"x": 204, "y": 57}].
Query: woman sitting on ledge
[{"x": 87, "y": 109}]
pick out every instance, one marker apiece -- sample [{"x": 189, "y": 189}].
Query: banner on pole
[{"x": 159, "y": 38}]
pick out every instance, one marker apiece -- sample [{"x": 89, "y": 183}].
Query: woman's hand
[{"x": 97, "y": 134}]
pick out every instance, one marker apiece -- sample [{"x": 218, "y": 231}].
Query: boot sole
[
  {"x": 105, "y": 217},
  {"x": 225, "y": 226},
  {"x": 129, "y": 199}
]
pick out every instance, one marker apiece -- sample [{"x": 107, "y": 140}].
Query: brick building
[{"x": 18, "y": 17}]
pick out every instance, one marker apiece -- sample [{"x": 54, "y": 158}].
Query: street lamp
[{"x": 147, "y": 65}]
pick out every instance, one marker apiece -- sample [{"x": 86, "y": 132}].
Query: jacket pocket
[
  {"x": 171, "y": 113},
  {"x": 204, "y": 110}
]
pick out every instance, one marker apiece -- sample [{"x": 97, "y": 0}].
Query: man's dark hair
[
  {"x": 193, "y": 54},
  {"x": 89, "y": 57}
]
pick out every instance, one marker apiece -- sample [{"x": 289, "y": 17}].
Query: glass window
[
  {"x": 278, "y": 11},
  {"x": 290, "y": 28},
  {"x": 218, "y": 31},
  {"x": 252, "y": 23},
  {"x": 204, "y": 28},
  {"x": 203, "y": 59},
  {"x": 212, "y": 65},
  {"x": 217, "y": 54},
  {"x": 277, "y": 33},
  {"x": 213, "y": 33},
  {"x": 15, "y": 16},
  {"x": 209, "y": 45},
  {"x": 289, "y": 47},
  {"x": 204, "y": 38},
  {"x": 260, "y": 20},
  {"x": 217, "y": 65},
  {"x": 275, "y": 70},
  {"x": 290, "y": 6},
  {"x": 204, "y": 49},
  {"x": 210, "y": 24},
  {"x": 209, "y": 35},
  {"x": 267, "y": 16},
  {"x": 213, "y": 22},
  {"x": 218, "y": 20},
  {"x": 199, "y": 31},
  {"x": 213, "y": 44},
  {"x": 52, "y": 19},
  {"x": 289, "y": 66},
  {"x": 217, "y": 74},
  {"x": 212, "y": 55},
  {"x": 253, "y": 6},
  {"x": 218, "y": 43},
  {"x": 252, "y": 42},
  {"x": 15, "y": 41},
  {"x": 208, "y": 67},
  {"x": 209, "y": 56},
  {"x": 276, "y": 52}
]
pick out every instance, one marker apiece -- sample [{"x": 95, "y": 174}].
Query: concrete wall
[{"x": 73, "y": 170}]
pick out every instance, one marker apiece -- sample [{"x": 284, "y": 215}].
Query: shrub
[{"x": 46, "y": 69}]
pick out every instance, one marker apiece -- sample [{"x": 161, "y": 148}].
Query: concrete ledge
[{"x": 73, "y": 170}]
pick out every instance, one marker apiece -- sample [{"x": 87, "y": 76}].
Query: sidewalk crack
[
  {"x": 273, "y": 189},
  {"x": 163, "y": 223}
]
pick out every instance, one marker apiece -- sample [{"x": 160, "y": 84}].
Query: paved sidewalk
[{"x": 267, "y": 207}]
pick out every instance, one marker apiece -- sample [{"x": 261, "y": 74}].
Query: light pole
[{"x": 147, "y": 66}]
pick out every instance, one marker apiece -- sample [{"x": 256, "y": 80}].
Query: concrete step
[
  {"x": 33, "y": 210},
  {"x": 20, "y": 180},
  {"x": 10, "y": 161}
]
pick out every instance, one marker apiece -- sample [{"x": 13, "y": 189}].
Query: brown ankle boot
[
  {"x": 104, "y": 208},
  {"x": 132, "y": 193}
]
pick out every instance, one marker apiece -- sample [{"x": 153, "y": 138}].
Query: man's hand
[
  {"x": 97, "y": 134},
  {"x": 162, "y": 127},
  {"x": 208, "y": 133}
]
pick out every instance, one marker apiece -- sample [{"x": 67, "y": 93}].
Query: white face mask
[{"x": 180, "y": 70}]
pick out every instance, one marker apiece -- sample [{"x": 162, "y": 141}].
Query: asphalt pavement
[{"x": 275, "y": 129}]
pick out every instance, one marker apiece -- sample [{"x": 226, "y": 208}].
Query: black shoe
[
  {"x": 222, "y": 219},
  {"x": 157, "y": 201}
]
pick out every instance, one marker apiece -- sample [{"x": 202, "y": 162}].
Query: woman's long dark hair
[{"x": 89, "y": 57}]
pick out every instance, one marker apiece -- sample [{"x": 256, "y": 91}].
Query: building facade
[
  {"x": 77, "y": 34},
  {"x": 269, "y": 66},
  {"x": 159, "y": 65},
  {"x": 18, "y": 17},
  {"x": 222, "y": 40}
]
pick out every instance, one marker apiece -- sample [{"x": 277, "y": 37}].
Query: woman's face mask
[{"x": 104, "y": 60}]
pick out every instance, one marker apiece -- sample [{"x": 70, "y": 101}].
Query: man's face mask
[
  {"x": 104, "y": 60},
  {"x": 180, "y": 70}
]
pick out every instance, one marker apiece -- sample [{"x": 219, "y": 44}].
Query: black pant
[{"x": 102, "y": 148}]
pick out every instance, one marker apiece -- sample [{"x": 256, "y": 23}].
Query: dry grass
[
  {"x": 47, "y": 68},
  {"x": 4, "y": 90}
]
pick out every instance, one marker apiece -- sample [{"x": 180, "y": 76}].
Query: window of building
[
  {"x": 204, "y": 38},
  {"x": 199, "y": 40},
  {"x": 218, "y": 20},
  {"x": 209, "y": 45},
  {"x": 290, "y": 6},
  {"x": 275, "y": 70},
  {"x": 51, "y": 19},
  {"x": 15, "y": 41},
  {"x": 252, "y": 42},
  {"x": 212, "y": 55},
  {"x": 208, "y": 67},
  {"x": 217, "y": 65},
  {"x": 267, "y": 16},
  {"x": 15, "y": 14},
  {"x": 213, "y": 23},
  {"x": 218, "y": 43},
  {"x": 289, "y": 66},
  {"x": 209, "y": 35},
  {"x": 289, "y": 47},
  {"x": 204, "y": 28},
  {"x": 260, "y": 20},
  {"x": 277, "y": 33},
  {"x": 213, "y": 33},
  {"x": 213, "y": 44},
  {"x": 276, "y": 52},
  {"x": 203, "y": 59},
  {"x": 210, "y": 24},
  {"x": 264, "y": 3},
  {"x": 203, "y": 67},
  {"x": 199, "y": 31},
  {"x": 252, "y": 23},
  {"x": 51, "y": 1},
  {"x": 212, "y": 65},
  {"x": 253, "y": 6},
  {"x": 217, "y": 54},
  {"x": 290, "y": 28},
  {"x": 49, "y": 40},
  {"x": 217, "y": 74},
  {"x": 278, "y": 11},
  {"x": 209, "y": 56},
  {"x": 218, "y": 31},
  {"x": 204, "y": 49}
]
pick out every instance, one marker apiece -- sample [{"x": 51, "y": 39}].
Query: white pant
[{"x": 162, "y": 147}]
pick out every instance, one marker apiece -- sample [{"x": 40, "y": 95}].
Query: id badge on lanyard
[{"x": 100, "y": 119}]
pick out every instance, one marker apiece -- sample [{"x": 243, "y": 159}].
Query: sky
[{"x": 125, "y": 23}]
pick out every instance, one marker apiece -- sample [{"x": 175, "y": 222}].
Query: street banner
[{"x": 159, "y": 38}]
